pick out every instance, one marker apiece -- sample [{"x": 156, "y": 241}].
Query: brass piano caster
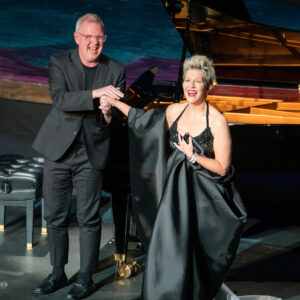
[
  {"x": 126, "y": 268},
  {"x": 119, "y": 258}
]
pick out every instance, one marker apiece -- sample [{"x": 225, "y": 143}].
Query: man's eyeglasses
[{"x": 88, "y": 37}]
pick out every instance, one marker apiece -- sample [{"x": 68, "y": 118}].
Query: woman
[{"x": 185, "y": 199}]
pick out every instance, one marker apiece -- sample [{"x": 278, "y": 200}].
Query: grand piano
[
  {"x": 255, "y": 46},
  {"x": 257, "y": 65}
]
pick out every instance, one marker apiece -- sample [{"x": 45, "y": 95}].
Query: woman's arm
[
  {"x": 222, "y": 148},
  {"x": 123, "y": 107},
  {"x": 222, "y": 144}
]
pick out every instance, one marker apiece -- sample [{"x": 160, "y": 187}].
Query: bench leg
[
  {"x": 44, "y": 223},
  {"x": 2, "y": 216},
  {"x": 29, "y": 223}
]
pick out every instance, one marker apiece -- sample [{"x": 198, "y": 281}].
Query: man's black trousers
[{"x": 73, "y": 170}]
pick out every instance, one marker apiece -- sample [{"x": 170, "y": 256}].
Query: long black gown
[{"x": 189, "y": 219}]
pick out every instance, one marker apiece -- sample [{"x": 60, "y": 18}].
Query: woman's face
[{"x": 194, "y": 87}]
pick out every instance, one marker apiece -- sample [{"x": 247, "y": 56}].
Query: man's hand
[
  {"x": 105, "y": 106},
  {"x": 111, "y": 91},
  {"x": 107, "y": 100}
]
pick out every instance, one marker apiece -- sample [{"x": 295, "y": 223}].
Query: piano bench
[{"x": 21, "y": 185}]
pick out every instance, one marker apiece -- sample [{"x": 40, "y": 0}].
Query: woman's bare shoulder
[
  {"x": 173, "y": 111},
  {"x": 217, "y": 118}
]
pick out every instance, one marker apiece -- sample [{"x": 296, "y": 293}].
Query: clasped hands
[{"x": 107, "y": 96}]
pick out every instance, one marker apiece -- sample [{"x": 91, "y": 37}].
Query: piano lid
[
  {"x": 280, "y": 13},
  {"x": 244, "y": 33}
]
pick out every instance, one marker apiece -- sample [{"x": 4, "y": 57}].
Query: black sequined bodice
[{"x": 204, "y": 139}]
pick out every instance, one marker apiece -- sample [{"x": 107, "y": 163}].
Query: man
[{"x": 75, "y": 142}]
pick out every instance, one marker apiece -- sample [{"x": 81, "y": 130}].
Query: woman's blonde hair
[{"x": 202, "y": 63}]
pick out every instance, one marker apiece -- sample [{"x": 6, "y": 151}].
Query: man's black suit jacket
[{"x": 74, "y": 108}]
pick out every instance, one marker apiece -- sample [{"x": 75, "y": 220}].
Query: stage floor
[
  {"x": 22, "y": 270},
  {"x": 267, "y": 262}
]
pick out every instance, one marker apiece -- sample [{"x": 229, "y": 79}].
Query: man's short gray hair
[
  {"x": 202, "y": 63},
  {"x": 91, "y": 18}
]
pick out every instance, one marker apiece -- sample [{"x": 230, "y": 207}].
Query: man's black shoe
[
  {"x": 51, "y": 284},
  {"x": 81, "y": 289}
]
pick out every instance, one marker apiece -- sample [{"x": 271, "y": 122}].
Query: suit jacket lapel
[
  {"x": 101, "y": 72},
  {"x": 80, "y": 77},
  {"x": 79, "y": 74}
]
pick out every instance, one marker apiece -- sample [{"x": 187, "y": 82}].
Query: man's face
[{"x": 89, "y": 42}]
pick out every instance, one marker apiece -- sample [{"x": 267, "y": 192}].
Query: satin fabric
[{"x": 189, "y": 219}]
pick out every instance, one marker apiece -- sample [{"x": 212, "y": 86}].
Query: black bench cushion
[{"x": 20, "y": 177}]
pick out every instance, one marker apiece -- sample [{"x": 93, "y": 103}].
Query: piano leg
[
  {"x": 120, "y": 209},
  {"x": 121, "y": 213}
]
